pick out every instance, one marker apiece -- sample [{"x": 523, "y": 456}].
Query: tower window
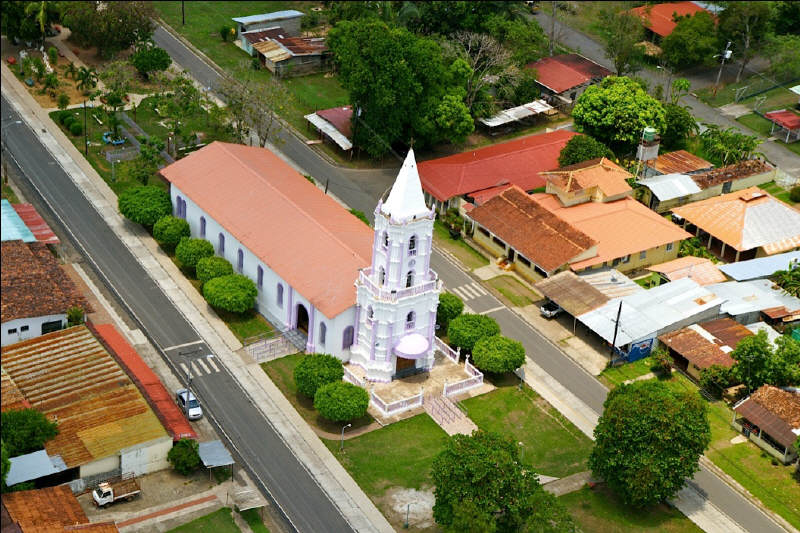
[
  {"x": 410, "y": 278},
  {"x": 412, "y": 245},
  {"x": 385, "y": 240},
  {"x": 381, "y": 277},
  {"x": 410, "y": 319},
  {"x": 370, "y": 316},
  {"x": 221, "y": 246}
]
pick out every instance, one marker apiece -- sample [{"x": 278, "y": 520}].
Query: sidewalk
[{"x": 356, "y": 507}]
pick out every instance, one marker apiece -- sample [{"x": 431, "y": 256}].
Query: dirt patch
[{"x": 395, "y": 504}]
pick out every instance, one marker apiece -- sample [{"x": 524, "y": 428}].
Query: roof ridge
[{"x": 545, "y": 222}]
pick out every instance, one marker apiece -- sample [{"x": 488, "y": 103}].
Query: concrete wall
[
  {"x": 653, "y": 256},
  {"x": 100, "y": 466},
  {"x": 33, "y": 324},
  {"x": 147, "y": 457},
  {"x": 267, "y": 302}
]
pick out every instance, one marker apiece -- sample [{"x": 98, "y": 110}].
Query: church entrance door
[
  {"x": 302, "y": 319},
  {"x": 404, "y": 367}
]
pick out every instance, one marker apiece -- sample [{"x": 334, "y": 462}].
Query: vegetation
[
  {"x": 758, "y": 363},
  {"x": 28, "y": 21},
  {"x": 621, "y": 34},
  {"x": 212, "y": 267},
  {"x": 747, "y": 26},
  {"x": 679, "y": 124},
  {"x": 716, "y": 378},
  {"x": 189, "y": 251},
  {"x": 582, "y": 148},
  {"x": 169, "y": 231},
  {"x": 113, "y": 28},
  {"x": 512, "y": 291},
  {"x": 184, "y": 456},
  {"x": 341, "y": 401},
  {"x": 360, "y": 216},
  {"x": 75, "y": 316},
  {"x": 728, "y": 145},
  {"x": 662, "y": 361},
  {"x": 692, "y": 246},
  {"x": 150, "y": 59},
  {"x": 220, "y": 521},
  {"x": 641, "y": 450},
  {"x": 5, "y": 463},
  {"x": 466, "y": 254},
  {"x": 450, "y": 306},
  {"x": 233, "y": 293},
  {"x": 498, "y": 354},
  {"x": 784, "y": 60},
  {"x": 25, "y": 431},
  {"x": 692, "y": 42},
  {"x": 144, "y": 205},
  {"x": 466, "y": 330},
  {"x": 316, "y": 370},
  {"x": 789, "y": 279}
]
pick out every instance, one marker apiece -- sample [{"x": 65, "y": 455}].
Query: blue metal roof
[
  {"x": 214, "y": 453},
  {"x": 267, "y": 17},
  {"x": 761, "y": 267},
  {"x": 12, "y": 228},
  {"x": 33, "y": 466}
]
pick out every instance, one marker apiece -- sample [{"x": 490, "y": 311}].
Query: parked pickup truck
[{"x": 111, "y": 492}]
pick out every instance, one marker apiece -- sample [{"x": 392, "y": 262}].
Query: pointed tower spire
[{"x": 406, "y": 200}]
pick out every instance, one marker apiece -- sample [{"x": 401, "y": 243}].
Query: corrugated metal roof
[
  {"x": 612, "y": 283},
  {"x": 214, "y": 453},
  {"x": 36, "y": 224},
  {"x": 668, "y": 186},
  {"x": 775, "y": 411},
  {"x": 32, "y": 466},
  {"x": 700, "y": 269},
  {"x": 272, "y": 51},
  {"x": 574, "y": 294},
  {"x": 679, "y": 162},
  {"x": 749, "y": 296},
  {"x": 267, "y": 17},
  {"x": 514, "y": 114},
  {"x": 12, "y": 228},
  {"x": 761, "y": 267},
  {"x": 330, "y": 130}
]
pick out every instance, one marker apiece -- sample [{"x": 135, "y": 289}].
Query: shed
[
  {"x": 787, "y": 121},
  {"x": 33, "y": 466},
  {"x": 572, "y": 293},
  {"x": 518, "y": 114},
  {"x": 288, "y": 19},
  {"x": 335, "y": 124},
  {"x": 12, "y": 227}
]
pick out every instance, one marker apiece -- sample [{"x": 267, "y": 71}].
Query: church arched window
[
  {"x": 370, "y": 315},
  {"x": 412, "y": 245},
  {"x": 385, "y": 240},
  {"x": 323, "y": 330},
  {"x": 280, "y": 294},
  {"x": 410, "y": 278},
  {"x": 410, "y": 319},
  {"x": 381, "y": 277}
]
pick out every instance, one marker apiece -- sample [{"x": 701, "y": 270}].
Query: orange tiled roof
[
  {"x": 623, "y": 227},
  {"x": 658, "y": 18},
  {"x": 698, "y": 350},
  {"x": 52, "y": 506},
  {"x": 304, "y": 235},
  {"x": 746, "y": 219},
  {"x": 700, "y": 269},
  {"x": 601, "y": 173}
]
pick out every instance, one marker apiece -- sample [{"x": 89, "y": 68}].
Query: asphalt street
[
  {"x": 361, "y": 190},
  {"x": 246, "y": 431}
]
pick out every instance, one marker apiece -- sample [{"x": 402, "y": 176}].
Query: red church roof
[
  {"x": 562, "y": 73},
  {"x": 517, "y": 162},
  {"x": 659, "y": 18}
]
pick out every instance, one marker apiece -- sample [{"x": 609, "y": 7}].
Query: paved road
[
  {"x": 351, "y": 188},
  {"x": 259, "y": 447}
]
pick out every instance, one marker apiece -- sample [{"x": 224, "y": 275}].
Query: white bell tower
[{"x": 397, "y": 296}]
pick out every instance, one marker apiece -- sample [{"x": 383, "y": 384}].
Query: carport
[{"x": 572, "y": 293}]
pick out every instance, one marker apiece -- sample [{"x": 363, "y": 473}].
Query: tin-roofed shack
[
  {"x": 770, "y": 417},
  {"x": 700, "y": 346}
]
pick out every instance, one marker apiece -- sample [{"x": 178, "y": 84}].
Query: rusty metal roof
[
  {"x": 727, "y": 330},
  {"x": 775, "y": 411},
  {"x": 680, "y": 162},
  {"x": 696, "y": 348},
  {"x": 742, "y": 169},
  {"x": 574, "y": 294},
  {"x": 10, "y": 395},
  {"x": 55, "y": 507}
]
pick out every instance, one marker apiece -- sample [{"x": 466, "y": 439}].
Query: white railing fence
[
  {"x": 398, "y": 406},
  {"x": 453, "y": 355},
  {"x": 475, "y": 380},
  {"x": 352, "y": 378}
]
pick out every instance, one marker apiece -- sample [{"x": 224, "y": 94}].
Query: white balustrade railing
[
  {"x": 352, "y": 378},
  {"x": 397, "y": 406},
  {"x": 475, "y": 380},
  {"x": 453, "y": 355},
  {"x": 393, "y": 295}
]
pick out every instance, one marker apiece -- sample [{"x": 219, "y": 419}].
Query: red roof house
[
  {"x": 660, "y": 18},
  {"x": 565, "y": 72}
]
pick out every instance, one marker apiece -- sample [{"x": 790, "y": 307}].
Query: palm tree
[
  {"x": 87, "y": 79},
  {"x": 71, "y": 70}
]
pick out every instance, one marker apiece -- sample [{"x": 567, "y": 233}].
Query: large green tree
[
  {"x": 480, "y": 479},
  {"x": 692, "y": 42},
  {"x": 679, "y": 125},
  {"x": 110, "y": 26},
  {"x": 582, "y": 148},
  {"x": 27, "y": 21},
  {"x": 784, "y": 59},
  {"x": 747, "y": 26},
  {"x": 446, "y": 17},
  {"x": 26, "y": 430},
  {"x": 728, "y": 146},
  {"x": 398, "y": 84},
  {"x": 758, "y": 363},
  {"x": 787, "y": 17},
  {"x": 648, "y": 441},
  {"x": 621, "y": 32},
  {"x": 616, "y": 111}
]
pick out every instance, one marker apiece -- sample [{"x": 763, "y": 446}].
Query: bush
[
  {"x": 190, "y": 251},
  {"x": 498, "y": 354},
  {"x": 794, "y": 194},
  {"x": 67, "y": 119},
  {"x": 25, "y": 431},
  {"x": 62, "y": 100},
  {"x": 52, "y": 55},
  {"x": 716, "y": 378},
  {"x": 450, "y": 306},
  {"x": 234, "y": 293},
  {"x": 169, "y": 231},
  {"x": 76, "y": 128},
  {"x": 454, "y": 222},
  {"x": 466, "y": 330},
  {"x": 184, "y": 456},
  {"x": 209, "y": 268},
  {"x": 75, "y": 316},
  {"x": 225, "y": 32},
  {"x": 582, "y": 148},
  {"x": 151, "y": 59},
  {"x": 145, "y": 205},
  {"x": 341, "y": 401},
  {"x": 316, "y": 370},
  {"x": 662, "y": 361}
]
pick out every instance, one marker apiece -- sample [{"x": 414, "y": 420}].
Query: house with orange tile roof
[
  {"x": 50, "y": 510},
  {"x": 701, "y": 346},
  {"x": 743, "y": 225},
  {"x": 596, "y": 180},
  {"x": 323, "y": 276},
  {"x": 700, "y": 269},
  {"x": 770, "y": 417},
  {"x": 659, "y": 19}
]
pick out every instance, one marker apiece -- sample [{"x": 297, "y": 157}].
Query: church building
[{"x": 368, "y": 297}]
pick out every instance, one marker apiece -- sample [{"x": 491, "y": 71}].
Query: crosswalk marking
[
  {"x": 469, "y": 291},
  {"x": 184, "y": 368},
  {"x": 199, "y": 363},
  {"x": 212, "y": 364},
  {"x": 200, "y": 367}
]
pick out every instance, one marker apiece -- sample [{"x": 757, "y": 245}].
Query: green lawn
[
  {"x": 762, "y": 126},
  {"x": 512, "y": 290},
  {"x": 281, "y": 372},
  {"x": 653, "y": 280},
  {"x": 220, "y": 521},
  {"x": 598, "y": 510},
  {"x": 611, "y": 377},
  {"x": 778, "y": 192},
  {"x": 253, "y": 520},
  {"x": 551, "y": 444},
  {"x": 247, "y": 324},
  {"x": 777, "y": 98},
  {"x": 9, "y": 194},
  {"x": 470, "y": 257}
]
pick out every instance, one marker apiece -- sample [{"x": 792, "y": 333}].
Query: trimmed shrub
[
  {"x": 52, "y": 55},
  {"x": 466, "y": 330},
  {"x": 75, "y": 316},
  {"x": 341, "y": 401},
  {"x": 67, "y": 119},
  {"x": 184, "y": 456},
  {"x": 145, "y": 205},
  {"x": 233, "y": 293},
  {"x": 316, "y": 370},
  {"x": 209, "y": 268},
  {"x": 794, "y": 194},
  {"x": 450, "y": 306},
  {"x": 76, "y": 128},
  {"x": 62, "y": 100},
  {"x": 169, "y": 231},
  {"x": 582, "y": 148},
  {"x": 190, "y": 251},
  {"x": 498, "y": 354}
]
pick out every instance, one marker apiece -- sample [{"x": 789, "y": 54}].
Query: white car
[
  {"x": 550, "y": 309},
  {"x": 189, "y": 404}
]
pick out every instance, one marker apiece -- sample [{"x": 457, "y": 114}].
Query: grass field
[
  {"x": 598, "y": 510},
  {"x": 611, "y": 377},
  {"x": 219, "y": 521},
  {"x": 470, "y": 257},
  {"x": 513, "y": 291},
  {"x": 762, "y": 126},
  {"x": 247, "y": 324},
  {"x": 778, "y": 192},
  {"x": 254, "y": 521},
  {"x": 776, "y": 98}
]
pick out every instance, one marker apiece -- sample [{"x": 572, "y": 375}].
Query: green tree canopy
[
  {"x": 110, "y": 26},
  {"x": 582, "y": 148},
  {"x": 341, "y": 402},
  {"x": 621, "y": 33},
  {"x": 24, "y": 20},
  {"x": 144, "y": 205},
  {"x": 450, "y": 306},
  {"x": 692, "y": 42},
  {"x": 316, "y": 370},
  {"x": 616, "y": 111},
  {"x": 26, "y": 430},
  {"x": 6, "y": 463},
  {"x": 184, "y": 456},
  {"x": 149, "y": 59},
  {"x": 787, "y": 19},
  {"x": 747, "y": 26},
  {"x": 649, "y": 440},
  {"x": 444, "y": 17},
  {"x": 481, "y": 479},
  {"x": 189, "y": 251},
  {"x": 234, "y": 293},
  {"x": 466, "y": 330},
  {"x": 169, "y": 231},
  {"x": 783, "y": 57},
  {"x": 679, "y": 125},
  {"x": 498, "y": 354},
  {"x": 728, "y": 146},
  {"x": 212, "y": 267},
  {"x": 757, "y": 363}
]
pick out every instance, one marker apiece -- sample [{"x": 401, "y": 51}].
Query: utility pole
[
  {"x": 726, "y": 54},
  {"x": 183, "y": 14},
  {"x": 552, "y": 28},
  {"x": 616, "y": 329},
  {"x": 85, "y": 132}
]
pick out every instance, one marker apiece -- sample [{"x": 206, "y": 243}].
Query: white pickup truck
[{"x": 109, "y": 492}]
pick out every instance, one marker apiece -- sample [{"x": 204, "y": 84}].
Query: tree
[
  {"x": 453, "y": 116},
  {"x": 784, "y": 59},
  {"x": 728, "y": 146},
  {"x": 523, "y": 37},
  {"x": 87, "y": 79},
  {"x": 787, "y": 361},
  {"x": 316, "y": 370},
  {"x": 144, "y": 205},
  {"x": 26, "y": 430},
  {"x": 482, "y": 476},
  {"x": 693, "y": 41},
  {"x": 209, "y": 268},
  {"x": 582, "y": 148},
  {"x": 341, "y": 402},
  {"x": 466, "y": 330},
  {"x": 117, "y": 77},
  {"x": 184, "y": 456},
  {"x": 6, "y": 463},
  {"x": 486, "y": 59},
  {"x": 746, "y": 25},
  {"x": 169, "y": 231},
  {"x": 616, "y": 111},
  {"x": 754, "y": 361},
  {"x": 62, "y": 100},
  {"x": 28, "y": 21},
  {"x": 233, "y": 293},
  {"x": 445, "y": 17},
  {"x": 716, "y": 378},
  {"x": 146, "y": 163},
  {"x": 150, "y": 59},
  {"x": 679, "y": 125},
  {"x": 450, "y": 306},
  {"x": 75, "y": 316},
  {"x": 189, "y": 251},
  {"x": 110, "y": 26},
  {"x": 680, "y": 87},
  {"x": 71, "y": 70},
  {"x": 498, "y": 354},
  {"x": 789, "y": 279},
  {"x": 263, "y": 102},
  {"x": 621, "y": 34},
  {"x": 787, "y": 18},
  {"x": 181, "y": 100},
  {"x": 648, "y": 441},
  {"x": 52, "y": 55}
]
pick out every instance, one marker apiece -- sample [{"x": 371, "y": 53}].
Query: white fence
[
  {"x": 453, "y": 355},
  {"x": 352, "y": 378},
  {"x": 396, "y": 407},
  {"x": 475, "y": 380},
  {"x": 268, "y": 349}
]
